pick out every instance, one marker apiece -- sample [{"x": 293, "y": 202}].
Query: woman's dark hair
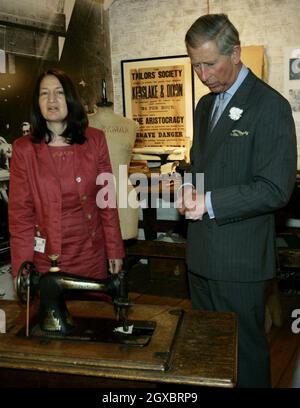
[{"x": 76, "y": 119}]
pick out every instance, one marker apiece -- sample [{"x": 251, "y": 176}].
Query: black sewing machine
[{"x": 53, "y": 319}]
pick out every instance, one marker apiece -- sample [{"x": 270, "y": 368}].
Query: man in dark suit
[{"x": 245, "y": 144}]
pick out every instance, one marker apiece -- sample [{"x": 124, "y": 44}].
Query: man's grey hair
[{"x": 215, "y": 27}]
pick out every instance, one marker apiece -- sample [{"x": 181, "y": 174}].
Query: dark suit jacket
[
  {"x": 249, "y": 165},
  {"x": 35, "y": 198}
]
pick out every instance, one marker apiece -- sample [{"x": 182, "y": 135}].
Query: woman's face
[{"x": 52, "y": 100}]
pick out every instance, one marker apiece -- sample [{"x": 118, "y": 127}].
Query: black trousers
[{"x": 247, "y": 299}]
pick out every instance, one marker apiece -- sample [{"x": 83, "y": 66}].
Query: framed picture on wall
[
  {"x": 292, "y": 79},
  {"x": 158, "y": 93}
]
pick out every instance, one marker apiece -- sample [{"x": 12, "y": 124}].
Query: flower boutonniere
[{"x": 235, "y": 113}]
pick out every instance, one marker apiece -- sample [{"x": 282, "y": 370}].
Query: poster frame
[{"x": 292, "y": 79}]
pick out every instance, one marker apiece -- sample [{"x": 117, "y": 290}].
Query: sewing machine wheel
[{"x": 25, "y": 277}]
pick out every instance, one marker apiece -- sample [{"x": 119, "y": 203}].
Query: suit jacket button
[
  {"x": 78, "y": 179},
  {"x": 88, "y": 216}
]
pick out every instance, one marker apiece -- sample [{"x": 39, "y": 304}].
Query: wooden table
[{"x": 203, "y": 353}]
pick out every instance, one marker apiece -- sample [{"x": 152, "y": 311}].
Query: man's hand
[
  {"x": 190, "y": 203},
  {"x": 115, "y": 265}
]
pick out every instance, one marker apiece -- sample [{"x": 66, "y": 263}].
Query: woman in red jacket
[{"x": 53, "y": 189}]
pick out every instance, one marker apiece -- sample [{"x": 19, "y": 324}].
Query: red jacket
[{"x": 35, "y": 198}]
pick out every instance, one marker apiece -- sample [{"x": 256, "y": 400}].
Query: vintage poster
[
  {"x": 292, "y": 79},
  {"x": 158, "y": 94}
]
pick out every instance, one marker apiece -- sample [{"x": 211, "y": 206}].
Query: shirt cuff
[{"x": 208, "y": 205}]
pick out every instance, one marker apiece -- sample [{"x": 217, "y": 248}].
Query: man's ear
[{"x": 236, "y": 54}]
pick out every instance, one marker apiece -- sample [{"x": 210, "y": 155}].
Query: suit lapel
[
  {"x": 205, "y": 123},
  {"x": 45, "y": 160},
  {"x": 84, "y": 160},
  {"x": 225, "y": 124},
  {"x": 79, "y": 159},
  {"x": 201, "y": 130}
]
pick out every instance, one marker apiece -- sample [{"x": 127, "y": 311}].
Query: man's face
[{"x": 218, "y": 72}]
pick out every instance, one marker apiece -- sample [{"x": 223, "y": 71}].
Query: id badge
[{"x": 39, "y": 244}]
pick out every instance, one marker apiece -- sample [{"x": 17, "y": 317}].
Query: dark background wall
[{"x": 30, "y": 32}]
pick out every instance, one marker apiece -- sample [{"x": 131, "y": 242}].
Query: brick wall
[{"x": 156, "y": 28}]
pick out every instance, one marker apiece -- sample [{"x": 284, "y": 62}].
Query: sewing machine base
[{"x": 98, "y": 330}]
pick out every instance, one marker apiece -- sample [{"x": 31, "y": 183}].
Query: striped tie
[{"x": 218, "y": 109}]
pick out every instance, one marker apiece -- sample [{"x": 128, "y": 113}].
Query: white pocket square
[{"x": 239, "y": 133}]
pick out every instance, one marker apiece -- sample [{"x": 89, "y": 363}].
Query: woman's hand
[{"x": 115, "y": 265}]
